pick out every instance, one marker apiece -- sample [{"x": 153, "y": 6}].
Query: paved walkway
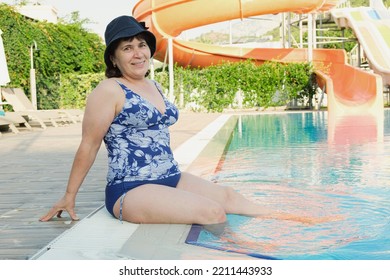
[{"x": 34, "y": 168}]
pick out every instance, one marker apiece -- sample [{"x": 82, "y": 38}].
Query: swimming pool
[{"x": 297, "y": 163}]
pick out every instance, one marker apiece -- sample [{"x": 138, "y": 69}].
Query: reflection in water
[
  {"x": 355, "y": 129},
  {"x": 307, "y": 164}
]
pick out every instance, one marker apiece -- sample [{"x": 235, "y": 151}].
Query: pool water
[{"x": 298, "y": 164}]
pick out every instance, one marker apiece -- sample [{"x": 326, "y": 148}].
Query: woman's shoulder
[
  {"x": 106, "y": 85},
  {"x": 105, "y": 88},
  {"x": 155, "y": 82},
  {"x": 157, "y": 85},
  {"x": 108, "y": 82}
]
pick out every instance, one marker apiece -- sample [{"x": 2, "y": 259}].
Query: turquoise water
[{"x": 298, "y": 164}]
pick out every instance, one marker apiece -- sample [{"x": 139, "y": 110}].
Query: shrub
[{"x": 215, "y": 88}]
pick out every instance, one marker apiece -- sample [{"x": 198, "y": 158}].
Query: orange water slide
[{"x": 349, "y": 90}]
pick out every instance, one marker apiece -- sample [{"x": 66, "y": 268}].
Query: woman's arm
[{"x": 100, "y": 110}]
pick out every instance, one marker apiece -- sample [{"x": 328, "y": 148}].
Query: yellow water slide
[{"x": 349, "y": 89}]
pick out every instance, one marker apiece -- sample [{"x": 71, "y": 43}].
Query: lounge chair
[
  {"x": 21, "y": 104},
  {"x": 14, "y": 121},
  {"x": 5, "y": 123},
  {"x": 75, "y": 114}
]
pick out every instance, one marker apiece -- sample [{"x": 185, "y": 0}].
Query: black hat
[{"x": 124, "y": 27}]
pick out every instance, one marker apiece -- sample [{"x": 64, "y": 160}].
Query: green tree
[{"x": 63, "y": 48}]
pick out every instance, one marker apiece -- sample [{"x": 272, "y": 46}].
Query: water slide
[
  {"x": 349, "y": 89},
  {"x": 371, "y": 26}
]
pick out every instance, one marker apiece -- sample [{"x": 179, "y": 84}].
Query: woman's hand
[{"x": 66, "y": 203}]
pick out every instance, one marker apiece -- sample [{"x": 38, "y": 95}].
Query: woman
[{"x": 130, "y": 114}]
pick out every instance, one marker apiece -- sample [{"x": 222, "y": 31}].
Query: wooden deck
[{"x": 34, "y": 168}]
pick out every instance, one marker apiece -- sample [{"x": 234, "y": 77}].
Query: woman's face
[{"x": 132, "y": 57}]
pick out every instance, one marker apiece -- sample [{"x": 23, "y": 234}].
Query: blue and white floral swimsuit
[{"x": 138, "y": 145}]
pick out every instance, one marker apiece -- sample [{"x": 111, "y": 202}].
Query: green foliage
[
  {"x": 75, "y": 88},
  {"x": 63, "y": 48},
  {"x": 366, "y": 3},
  {"x": 215, "y": 88},
  {"x": 359, "y": 3}
]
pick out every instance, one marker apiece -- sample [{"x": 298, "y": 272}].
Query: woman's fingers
[{"x": 55, "y": 212}]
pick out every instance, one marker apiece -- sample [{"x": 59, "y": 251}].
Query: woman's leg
[
  {"x": 231, "y": 201},
  {"x": 195, "y": 201},
  {"x": 161, "y": 204},
  {"x": 235, "y": 203}
]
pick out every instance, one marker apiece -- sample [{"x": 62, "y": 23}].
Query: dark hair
[{"x": 111, "y": 70}]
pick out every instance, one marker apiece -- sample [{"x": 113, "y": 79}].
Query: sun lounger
[
  {"x": 14, "y": 121},
  {"x": 21, "y": 104},
  {"x": 75, "y": 114},
  {"x": 17, "y": 120},
  {"x": 8, "y": 124}
]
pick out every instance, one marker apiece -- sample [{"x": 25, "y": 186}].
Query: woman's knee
[
  {"x": 230, "y": 195},
  {"x": 214, "y": 214}
]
